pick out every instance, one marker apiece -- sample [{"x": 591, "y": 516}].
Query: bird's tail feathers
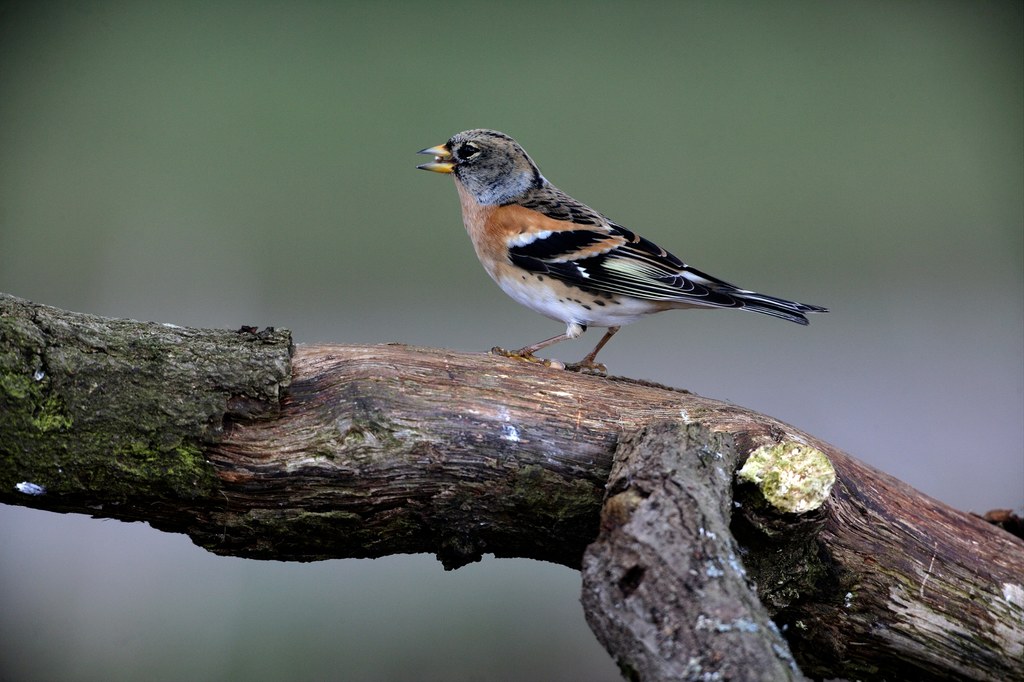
[{"x": 776, "y": 307}]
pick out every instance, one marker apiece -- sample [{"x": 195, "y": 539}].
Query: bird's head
[{"x": 489, "y": 165}]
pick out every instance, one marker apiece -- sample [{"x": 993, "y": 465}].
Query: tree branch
[
  {"x": 256, "y": 449},
  {"x": 663, "y": 585}
]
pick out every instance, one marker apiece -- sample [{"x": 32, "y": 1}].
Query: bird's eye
[{"x": 467, "y": 151}]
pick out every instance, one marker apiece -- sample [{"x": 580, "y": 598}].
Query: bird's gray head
[{"x": 490, "y": 165}]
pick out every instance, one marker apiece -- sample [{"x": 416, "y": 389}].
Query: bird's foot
[
  {"x": 527, "y": 356},
  {"x": 586, "y": 366}
]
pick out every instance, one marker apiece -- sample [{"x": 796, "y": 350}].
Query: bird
[{"x": 565, "y": 260}]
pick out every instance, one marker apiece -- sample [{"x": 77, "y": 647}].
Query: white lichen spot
[
  {"x": 694, "y": 668},
  {"x": 705, "y": 451},
  {"x": 738, "y": 625},
  {"x": 1014, "y": 594},
  {"x": 793, "y": 477},
  {"x": 1009, "y": 619},
  {"x": 737, "y": 566},
  {"x": 713, "y": 571},
  {"x": 30, "y": 488},
  {"x": 509, "y": 431},
  {"x": 704, "y": 533},
  {"x": 560, "y": 394},
  {"x": 784, "y": 655}
]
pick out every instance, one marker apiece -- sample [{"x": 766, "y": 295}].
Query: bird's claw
[
  {"x": 527, "y": 357},
  {"x": 588, "y": 367}
]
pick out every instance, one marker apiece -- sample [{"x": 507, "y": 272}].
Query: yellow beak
[{"x": 442, "y": 162}]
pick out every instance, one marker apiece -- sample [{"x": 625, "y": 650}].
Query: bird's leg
[
  {"x": 587, "y": 364},
  {"x": 527, "y": 352}
]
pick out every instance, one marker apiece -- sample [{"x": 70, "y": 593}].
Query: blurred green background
[{"x": 227, "y": 163}]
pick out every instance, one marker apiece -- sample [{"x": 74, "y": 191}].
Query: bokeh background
[{"x": 227, "y": 163}]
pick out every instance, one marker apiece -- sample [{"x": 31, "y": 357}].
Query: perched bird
[{"x": 565, "y": 260}]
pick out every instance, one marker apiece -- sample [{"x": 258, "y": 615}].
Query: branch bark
[
  {"x": 257, "y": 449},
  {"x": 663, "y": 584}
]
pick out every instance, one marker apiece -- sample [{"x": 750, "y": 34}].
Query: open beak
[{"x": 442, "y": 162}]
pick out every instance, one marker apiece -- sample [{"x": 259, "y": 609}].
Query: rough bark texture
[
  {"x": 374, "y": 450},
  {"x": 117, "y": 414},
  {"x": 663, "y": 584}
]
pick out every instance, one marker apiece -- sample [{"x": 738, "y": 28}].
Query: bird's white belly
[{"x": 568, "y": 304}]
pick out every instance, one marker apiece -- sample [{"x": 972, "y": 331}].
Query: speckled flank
[{"x": 555, "y": 299}]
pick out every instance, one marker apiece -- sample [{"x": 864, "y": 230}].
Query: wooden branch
[
  {"x": 360, "y": 451},
  {"x": 663, "y": 585}
]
